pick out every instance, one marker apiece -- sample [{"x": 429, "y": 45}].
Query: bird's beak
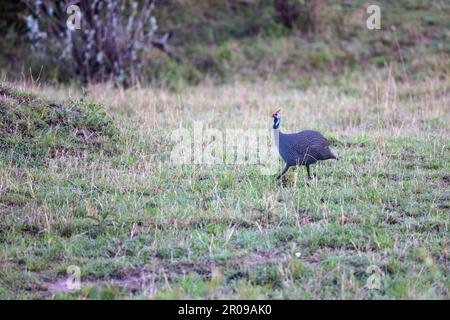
[{"x": 275, "y": 114}]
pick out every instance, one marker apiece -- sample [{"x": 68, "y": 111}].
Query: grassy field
[
  {"x": 96, "y": 191},
  {"x": 233, "y": 40}
]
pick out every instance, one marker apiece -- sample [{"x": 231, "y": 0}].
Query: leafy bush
[
  {"x": 108, "y": 42},
  {"x": 297, "y": 13}
]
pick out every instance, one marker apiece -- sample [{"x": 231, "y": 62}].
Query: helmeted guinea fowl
[{"x": 301, "y": 148}]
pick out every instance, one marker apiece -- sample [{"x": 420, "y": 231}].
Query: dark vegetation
[{"x": 223, "y": 40}]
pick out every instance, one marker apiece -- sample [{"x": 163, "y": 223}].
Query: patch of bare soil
[{"x": 144, "y": 281}]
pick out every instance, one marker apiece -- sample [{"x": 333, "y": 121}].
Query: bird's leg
[
  {"x": 309, "y": 172},
  {"x": 286, "y": 168}
]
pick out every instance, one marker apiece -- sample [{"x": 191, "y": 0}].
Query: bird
[{"x": 300, "y": 148}]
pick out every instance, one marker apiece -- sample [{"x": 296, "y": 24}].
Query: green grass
[
  {"x": 85, "y": 188},
  {"x": 140, "y": 228},
  {"x": 228, "y": 42},
  {"x": 32, "y": 129},
  {"x": 223, "y": 42}
]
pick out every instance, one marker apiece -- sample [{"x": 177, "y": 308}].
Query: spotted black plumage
[{"x": 301, "y": 148}]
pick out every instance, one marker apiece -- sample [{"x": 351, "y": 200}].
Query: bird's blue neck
[{"x": 276, "y": 123}]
